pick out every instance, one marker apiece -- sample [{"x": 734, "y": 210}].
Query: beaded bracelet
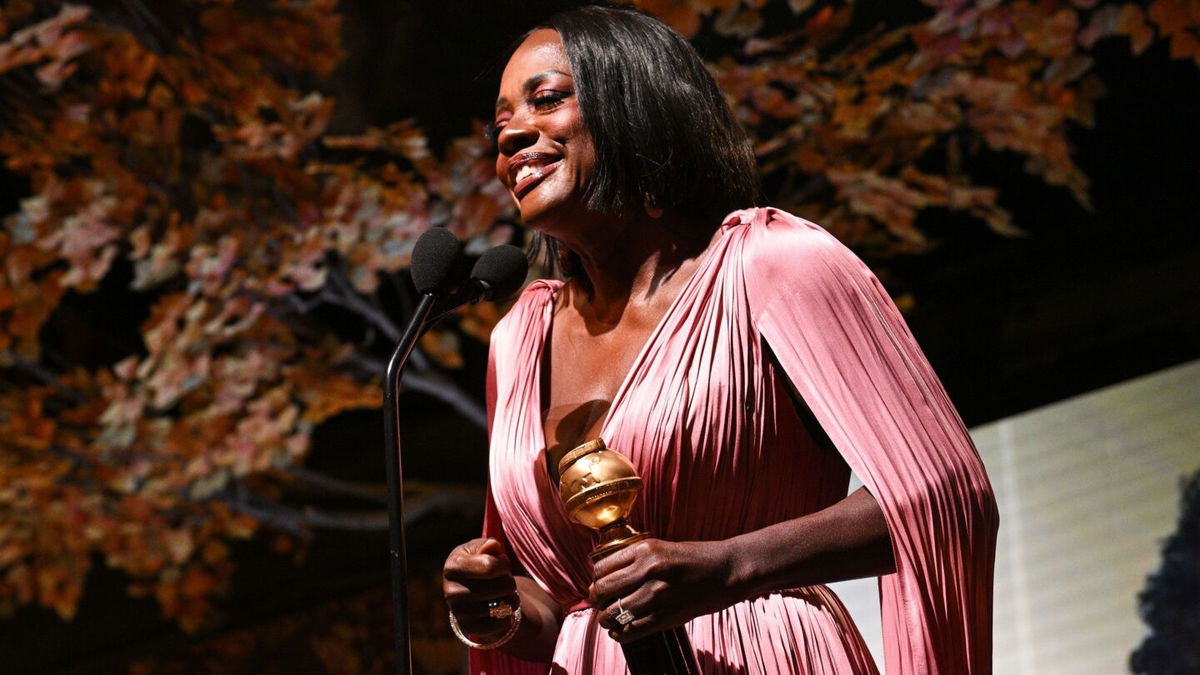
[{"x": 508, "y": 634}]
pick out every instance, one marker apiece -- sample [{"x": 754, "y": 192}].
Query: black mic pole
[
  {"x": 498, "y": 273},
  {"x": 391, "y": 442},
  {"x": 435, "y": 261}
]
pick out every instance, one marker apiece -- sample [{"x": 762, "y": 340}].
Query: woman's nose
[{"x": 515, "y": 136}]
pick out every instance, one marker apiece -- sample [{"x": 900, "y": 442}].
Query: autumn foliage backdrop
[{"x": 184, "y": 147}]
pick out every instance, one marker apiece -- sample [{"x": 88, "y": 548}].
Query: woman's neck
[{"x": 631, "y": 260}]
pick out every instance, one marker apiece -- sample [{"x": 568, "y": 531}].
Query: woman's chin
[
  {"x": 566, "y": 220},
  {"x": 545, "y": 218}
]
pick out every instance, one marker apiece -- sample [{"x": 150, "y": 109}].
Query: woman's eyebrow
[{"x": 531, "y": 84}]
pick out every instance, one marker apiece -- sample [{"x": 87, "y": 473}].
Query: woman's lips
[{"x": 523, "y": 186}]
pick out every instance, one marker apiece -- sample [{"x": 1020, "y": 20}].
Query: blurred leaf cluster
[
  {"x": 190, "y": 144},
  {"x": 862, "y": 131}
]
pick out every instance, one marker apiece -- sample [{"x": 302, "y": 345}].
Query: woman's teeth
[{"x": 527, "y": 171}]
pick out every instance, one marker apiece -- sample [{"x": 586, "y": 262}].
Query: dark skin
[{"x": 635, "y": 265}]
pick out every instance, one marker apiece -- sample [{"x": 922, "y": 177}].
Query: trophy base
[{"x": 609, "y": 547}]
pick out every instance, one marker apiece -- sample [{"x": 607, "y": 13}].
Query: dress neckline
[{"x": 555, "y": 285}]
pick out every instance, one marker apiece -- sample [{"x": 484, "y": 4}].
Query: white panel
[{"x": 1088, "y": 488}]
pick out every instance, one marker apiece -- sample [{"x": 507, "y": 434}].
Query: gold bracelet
[{"x": 508, "y": 634}]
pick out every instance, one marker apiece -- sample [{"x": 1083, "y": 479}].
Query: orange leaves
[
  {"x": 678, "y": 14},
  {"x": 28, "y": 428},
  {"x": 303, "y": 38},
  {"x": 1173, "y": 16},
  {"x": 1131, "y": 21},
  {"x": 731, "y": 18},
  {"x": 28, "y": 296},
  {"x": 51, "y": 45},
  {"x": 137, "y": 461},
  {"x": 371, "y": 217},
  {"x": 326, "y": 393},
  {"x": 257, "y": 139},
  {"x": 1176, "y": 21},
  {"x": 1179, "y": 22},
  {"x": 836, "y": 122},
  {"x": 128, "y": 67}
]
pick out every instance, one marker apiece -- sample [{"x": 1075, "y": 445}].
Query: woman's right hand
[{"x": 475, "y": 574}]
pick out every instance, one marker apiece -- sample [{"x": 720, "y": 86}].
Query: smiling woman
[
  {"x": 655, "y": 128},
  {"x": 743, "y": 362},
  {"x": 545, "y": 154}
]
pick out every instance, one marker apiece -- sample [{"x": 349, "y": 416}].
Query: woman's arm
[
  {"x": 847, "y": 540},
  {"x": 845, "y": 347},
  {"x": 665, "y": 584},
  {"x": 477, "y": 573}
]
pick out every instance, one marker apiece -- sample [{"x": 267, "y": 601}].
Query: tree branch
[
  {"x": 340, "y": 292},
  {"x": 430, "y": 383},
  {"x": 48, "y": 378},
  {"x": 299, "y": 521},
  {"x": 343, "y": 294},
  {"x": 370, "y": 492}
]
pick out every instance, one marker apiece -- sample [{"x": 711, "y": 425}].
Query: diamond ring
[
  {"x": 624, "y": 616},
  {"x": 498, "y": 609}
]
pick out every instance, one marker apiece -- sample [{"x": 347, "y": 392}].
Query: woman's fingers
[
  {"x": 639, "y": 606},
  {"x": 477, "y": 582},
  {"x": 656, "y": 585},
  {"x": 621, "y": 558},
  {"x": 481, "y": 590},
  {"x": 477, "y": 559},
  {"x": 633, "y": 567},
  {"x": 630, "y": 586},
  {"x": 620, "y": 573},
  {"x": 487, "y": 614},
  {"x": 639, "y": 628}
]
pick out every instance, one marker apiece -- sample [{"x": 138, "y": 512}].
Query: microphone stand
[
  {"x": 497, "y": 268},
  {"x": 395, "y": 476}
]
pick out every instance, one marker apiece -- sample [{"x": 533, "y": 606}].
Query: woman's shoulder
[
  {"x": 528, "y": 311},
  {"x": 775, "y": 244}
]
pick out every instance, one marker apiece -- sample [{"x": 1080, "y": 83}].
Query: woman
[{"x": 744, "y": 362}]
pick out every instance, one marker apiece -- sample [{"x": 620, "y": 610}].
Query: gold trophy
[{"x": 598, "y": 488}]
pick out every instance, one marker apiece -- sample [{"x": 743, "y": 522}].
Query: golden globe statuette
[{"x": 598, "y": 487}]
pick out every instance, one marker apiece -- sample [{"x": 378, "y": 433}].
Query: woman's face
[{"x": 545, "y": 154}]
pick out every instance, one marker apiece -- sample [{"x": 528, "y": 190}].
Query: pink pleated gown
[{"x": 706, "y": 417}]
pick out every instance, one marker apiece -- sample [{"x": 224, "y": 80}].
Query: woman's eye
[
  {"x": 491, "y": 132},
  {"x": 547, "y": 99}
]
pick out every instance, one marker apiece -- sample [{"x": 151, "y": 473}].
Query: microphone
[
  {"x": 437, "y": 272},
  {"x": 498, "y": 273},
  {"x": 435, "y": 259}
]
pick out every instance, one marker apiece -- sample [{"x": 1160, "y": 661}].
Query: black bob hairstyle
[{"x": 662, "y": 132}]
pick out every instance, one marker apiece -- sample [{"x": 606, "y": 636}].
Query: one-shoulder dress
[{"x": 706, "y": 416}]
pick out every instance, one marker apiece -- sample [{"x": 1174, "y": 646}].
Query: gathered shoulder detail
[{"x": 529, "y": 307}]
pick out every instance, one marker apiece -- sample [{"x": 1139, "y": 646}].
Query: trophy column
[{"x": 598, "y": 488}]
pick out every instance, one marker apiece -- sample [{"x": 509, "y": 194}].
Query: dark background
[{"x": 1085, "y": 300}]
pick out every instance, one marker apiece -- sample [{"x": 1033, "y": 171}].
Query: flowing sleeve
[
  {"x": 491, "y": 661},
  {"x": 848, "y": 352}
]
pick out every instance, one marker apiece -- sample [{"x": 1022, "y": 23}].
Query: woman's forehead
[
  {"x": 540, "y": 55},
  {"x": 543, "y": 49}
]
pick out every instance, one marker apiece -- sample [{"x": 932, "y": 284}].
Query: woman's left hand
[{"x": 662, "y": 584}]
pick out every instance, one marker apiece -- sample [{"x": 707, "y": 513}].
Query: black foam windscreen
[
  {"x": 435, "y": 260},
  {"x": 502, "y": 269}
]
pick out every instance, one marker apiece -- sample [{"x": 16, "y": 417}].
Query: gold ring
[{"x": 498, "y": 609}]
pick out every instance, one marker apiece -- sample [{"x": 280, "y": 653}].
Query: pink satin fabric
[{"x": 705, "y": 416}]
